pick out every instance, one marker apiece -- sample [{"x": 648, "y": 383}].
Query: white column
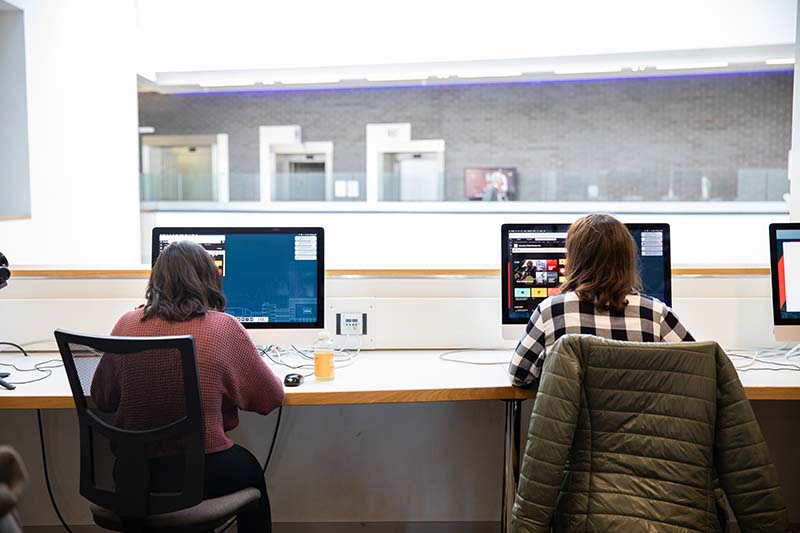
[
  {"x": 794, "y": 152},
  {"x": 267, "y": 136},
  {"x": 379, "y": 135},
  {"x": 222, "y": 168}
]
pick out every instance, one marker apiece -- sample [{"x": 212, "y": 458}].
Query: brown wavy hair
[
  {"x": 184, "y": 283},
  {"x": 602, "y": 265}
]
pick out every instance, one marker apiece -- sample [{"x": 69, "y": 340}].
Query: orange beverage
[{"x": 324, "y": 362}]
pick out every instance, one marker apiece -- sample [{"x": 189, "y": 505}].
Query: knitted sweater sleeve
[{"x": 249, "y": 383}]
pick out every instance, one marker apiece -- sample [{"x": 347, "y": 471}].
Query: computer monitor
[
  {"x": 534, "y": 263},
  {"x": 784, "y": 246},
  {"x": 273, "y": 278}
]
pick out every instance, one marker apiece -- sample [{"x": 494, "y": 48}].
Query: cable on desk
[
  {"x": 274, "y": 440},
  {"x": 45, "y": 367},
  {"x": 14, "y": 345},
  {"x": 47, "y": 473},
  {"x": 341, "y": 355},
  {"x": 764, "y": 357},
  {"x": 344, "y": 354},
  {"x": 51, "y": 346},
  {"x": 266, "y": 352},
  {"x": 445, "y": 356}
]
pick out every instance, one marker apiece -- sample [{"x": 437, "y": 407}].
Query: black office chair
[{"x": 142, "y": 468}]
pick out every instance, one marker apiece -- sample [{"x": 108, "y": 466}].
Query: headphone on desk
[{"x": 5, "y": 273}]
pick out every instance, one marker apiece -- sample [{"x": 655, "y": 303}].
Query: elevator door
[
  {"x": 306, "y": 181},
  {"x": 183, "y": 172}
]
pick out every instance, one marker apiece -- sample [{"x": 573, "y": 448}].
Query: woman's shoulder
[
  {"x": 129, "y": 321},
  {"x": 557, "y": 304},
  {"x": 559, "y": 299},
  {"x": 643, "y": 301},
  {"x": 227, "y": 330},
  {"x": 222, "y": 320}
]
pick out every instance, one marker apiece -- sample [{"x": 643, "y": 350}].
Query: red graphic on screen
[
  {"x": 509, "y": 285},
  {"x": 781, "y": 283}
]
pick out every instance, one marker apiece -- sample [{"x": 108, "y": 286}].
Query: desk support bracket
[{"x": 511, "y": 458}]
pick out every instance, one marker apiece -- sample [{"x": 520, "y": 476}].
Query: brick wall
[{"x": 688, "y": 138}]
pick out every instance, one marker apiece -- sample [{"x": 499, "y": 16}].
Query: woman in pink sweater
[{"x": 184, "y": 297}]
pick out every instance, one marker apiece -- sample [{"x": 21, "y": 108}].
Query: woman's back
[
  {"x": 643, "y": 319},
  {"x": 232, "y": 376}
]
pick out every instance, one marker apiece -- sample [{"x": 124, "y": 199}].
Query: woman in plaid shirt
[{"x": 601, "y": 296}]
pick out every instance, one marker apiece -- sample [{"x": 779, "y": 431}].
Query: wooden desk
[
  {"x": 394, "y": 376},
  {"x": 399, "y": 376},
  {"x": 373, "y": 377}
]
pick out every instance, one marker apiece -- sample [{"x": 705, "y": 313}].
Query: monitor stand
[
  {"x": 787, "y": 333},
  {"x": 284, "y": 337},
  {"x": 513, "y": 332}
]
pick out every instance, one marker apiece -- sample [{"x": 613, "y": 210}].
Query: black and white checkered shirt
[{"x": 644, "y": 319}]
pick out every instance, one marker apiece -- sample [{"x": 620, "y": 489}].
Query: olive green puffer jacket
[{"x": 635, "y": 437}]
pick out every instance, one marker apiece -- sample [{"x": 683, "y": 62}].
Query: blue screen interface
[{"x": 266, "y": 277}]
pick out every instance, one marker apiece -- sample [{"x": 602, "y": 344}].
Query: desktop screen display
[
  {"x": 491, "y": 183},
  {"x": 534, "y": 264},
  {"x": 271, "y": 277},
  {"x": 785, "y": 269}
]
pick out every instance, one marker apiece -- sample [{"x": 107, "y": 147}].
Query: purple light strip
[{"x": 419, "y": 85}]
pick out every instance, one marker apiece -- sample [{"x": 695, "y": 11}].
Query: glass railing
[
  {"x": 178, "y": 188},
  {"x": 675, "y": 184},
  {"x": 319, "y": 187}
]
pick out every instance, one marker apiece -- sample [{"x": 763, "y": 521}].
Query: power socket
[{"x": 351, "y": 323}]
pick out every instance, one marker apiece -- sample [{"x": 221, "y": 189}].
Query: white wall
[
  {"x": 364, "y": 33},
  {"x": 794, "y": 152},
  {"x": 430, "y": 239},
  {"x": 15, "y": 198},
  {"x": 83, "y": 142}
]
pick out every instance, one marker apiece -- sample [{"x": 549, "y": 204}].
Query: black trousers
[
  {"x": 236, "y": 469},
  {"x": 226, "y": 472}
]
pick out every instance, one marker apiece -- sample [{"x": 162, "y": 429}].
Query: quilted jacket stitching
[{"x": 582, "y": 420}]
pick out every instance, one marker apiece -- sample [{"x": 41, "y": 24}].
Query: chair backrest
[
  {"x": 140, "y": 414},
  {"x": 667, "y": 390}
]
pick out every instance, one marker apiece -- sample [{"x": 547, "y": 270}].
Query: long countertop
[{"x": 381, "y": 376}]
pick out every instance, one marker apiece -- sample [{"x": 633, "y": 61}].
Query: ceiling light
[
  {"x": 589, "y": 70},
  {"x": 491, "y": 74},
  {"x": 308, "y": 80},
  {"x": 691, "y": 66},
  {"x": 399, "y": 76},
  {"x": 780, "y": 61},
  {"x": 227, "y": 83}
]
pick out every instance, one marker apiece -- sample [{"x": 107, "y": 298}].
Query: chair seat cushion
[{"x": 206, "y": 515}]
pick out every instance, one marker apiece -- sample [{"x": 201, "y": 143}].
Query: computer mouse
[{"x": 293, "y": 380}]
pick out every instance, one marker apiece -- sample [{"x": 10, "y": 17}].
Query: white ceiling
[{"x": 198, "y": 44}]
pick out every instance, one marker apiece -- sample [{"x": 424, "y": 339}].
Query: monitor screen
[
  {"x": 785, "y": 268},
  {"x": 271, "y": 277},
  {"x": 534, "y": 264},
  {"x": 491, "y": 183}
]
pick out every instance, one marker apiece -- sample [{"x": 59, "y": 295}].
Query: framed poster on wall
[{"x": 498, "y": 184}]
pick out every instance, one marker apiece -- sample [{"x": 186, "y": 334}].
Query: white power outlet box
[
  {"x": 361, "y": 335},
  {"x": 351, "y": 323}
]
